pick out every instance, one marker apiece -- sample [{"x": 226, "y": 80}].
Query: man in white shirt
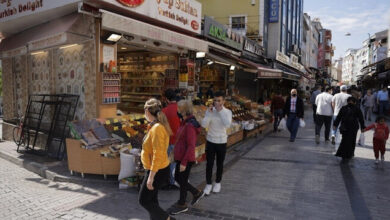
[
  {"x": 217, "y": 120},
  {"x": 338, "y": 101},
  {"x": 324, "y": 113}
]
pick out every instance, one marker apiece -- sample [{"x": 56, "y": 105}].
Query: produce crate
[
  {"x": 235, "y": 138},
  {"x": 251, "y": 133}
]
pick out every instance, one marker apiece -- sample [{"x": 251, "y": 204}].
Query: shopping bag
[
  {"x": 302, "y": 123},
  {"x": 361, "y": 139},
  {"x": 282, "y": 124}
]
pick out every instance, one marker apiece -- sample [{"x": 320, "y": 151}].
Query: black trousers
[
  {"x": 315, "y": 113},
  {"x": 182, "y": 179},
  {"x": 323, "y": 119},
  {"x": 214, "y": 151},
  {"x": 149, "y": 198}
]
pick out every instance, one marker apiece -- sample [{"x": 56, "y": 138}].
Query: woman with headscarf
[{"x": 350, "y": 116}]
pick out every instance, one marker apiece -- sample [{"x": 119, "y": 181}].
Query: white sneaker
[
  {"x": 383, "y": 158},
  {"x": 376, "y": 161},
  {"x": 217, "y": 188},
  {"x": 207, "y": 189}
]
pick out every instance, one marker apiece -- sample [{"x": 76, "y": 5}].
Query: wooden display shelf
[
  {"x": 131, "y": 100},
  {"x": 235, "y": 138},
  {"x": 147, "y": 61},
  {"x": 212, "y": 80},
  {"x": 111, "y": 85},
  {"x": 153, "y": 86},
  {"x": 111, "y": 79},
  {"x": 141, "y": 93},
  {"x": 149, "y": 78},
  {"x": 251, "y": 133}
]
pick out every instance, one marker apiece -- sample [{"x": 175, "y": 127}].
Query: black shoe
[
  {"x": 333, "y": 140},
  {"x": 173, "y": 187},
  {"x": 197, "y": 198},
  {"x": 177, "y": 209},
  {"x": 291, "y": 140},
  {"x": 172, "y": 218}
]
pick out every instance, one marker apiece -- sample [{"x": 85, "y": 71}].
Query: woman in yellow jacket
[{"x": 155, "y": 159}]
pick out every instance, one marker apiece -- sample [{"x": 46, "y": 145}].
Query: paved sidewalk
[{"x": 268, "y": 178}]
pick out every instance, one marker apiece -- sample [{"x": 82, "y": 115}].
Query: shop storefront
[{"x": 114, "y": 62}]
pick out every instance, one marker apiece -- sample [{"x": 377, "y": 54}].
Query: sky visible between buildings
[{"x": 357, "y": 17}]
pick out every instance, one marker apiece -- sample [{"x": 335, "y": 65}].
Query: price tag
[
  {"x": 116, "y": 120},
  {"x": 116, "y": 128},
  {"x": 108, "y": 122}
]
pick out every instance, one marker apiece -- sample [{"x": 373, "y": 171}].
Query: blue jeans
[
  {"x": 172, "y": 166},
  {"x": 292, "y": 125},
  {"x": 382, "y": 107}
]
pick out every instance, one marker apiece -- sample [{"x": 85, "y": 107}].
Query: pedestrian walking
[
  {"x": 324, "y": 113},
  {"x": 349, "y": 116},
  {"x": 313, "y": 101},
  {"x": 338, "y": 101},
  {"x": 217, "y": 119},
  {"x": 277, "y": 104},
  {"x": 293, "y": 111},
  {"x": 174, "y": 122},
  {"x": 383, "y": 100},
  {"x": 185, "y": 157},
  {"x": 155, "y": 160},
  {"x": 368, "y": 105},
  {"x": 381, "y": 134}
]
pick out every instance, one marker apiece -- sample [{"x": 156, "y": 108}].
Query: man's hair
[
  {"x": 170, "y": 94},
  {"x": 219, "y": 94},
  {"x": 328, "y": 89}
]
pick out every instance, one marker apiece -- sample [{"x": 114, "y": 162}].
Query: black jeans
[
  {"x": 315, "y": 113},
  {"x": 149, "y": 198},
  {"x": 214, "y": 151},
  {"x": 323, "y": 119},
  {"x": 182, "y": 179}
]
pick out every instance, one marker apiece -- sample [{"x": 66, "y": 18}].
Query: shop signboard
[
  {"x": 273, "y": 11},
  {"x": 12, "y": 9},
  {"x": 282, "y": 58},
  {"x": 291, "y": 76},
  {"x": 185, "y": 14},
  {"x": 266, "y": 74},
  {"x": 253, "y": 47},
  {"x": 222, "y": 34}
]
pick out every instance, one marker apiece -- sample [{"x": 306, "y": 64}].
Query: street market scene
[{"x": 194, "y": 109}]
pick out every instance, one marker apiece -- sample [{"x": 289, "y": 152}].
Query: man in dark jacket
[{"x": 293, "y": 111}]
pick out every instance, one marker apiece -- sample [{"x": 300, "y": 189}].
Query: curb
[{"x": 44, "y": 172}]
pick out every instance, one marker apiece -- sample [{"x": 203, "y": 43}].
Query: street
[{"x": 274, "y": 180}]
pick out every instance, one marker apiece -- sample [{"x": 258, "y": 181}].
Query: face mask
[{"x": 293, "y": 95}]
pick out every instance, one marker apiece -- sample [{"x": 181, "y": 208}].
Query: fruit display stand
[
  {"x": 90, "y": 161},
  {"x": 104, "y": 158}
]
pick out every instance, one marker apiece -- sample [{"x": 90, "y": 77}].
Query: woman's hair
[
  {"x": 380, "y": 117},
  {"x": 185, "y": 107},
  {"x": 155, "y": 108}
]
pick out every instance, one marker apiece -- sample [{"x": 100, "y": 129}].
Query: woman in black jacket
[
  {"x": 350, "y": 116},
  {"x": 293, "y": 111}
]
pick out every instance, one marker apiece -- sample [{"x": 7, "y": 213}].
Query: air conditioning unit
[{"x": 253, "y": 2}]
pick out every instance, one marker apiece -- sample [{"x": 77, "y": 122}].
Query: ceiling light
[
  {"x": 210, "y": 62},
  {"x": 232, "y": 67},
  {"x": 114, "y": 37},
  {"x": 67, "y": 46},
  {"x": 200, "y": 54},
  {"x": 222, "y": 63},
  {"x": 124, "y": 48},
  {"x": 39, "y": 52}
]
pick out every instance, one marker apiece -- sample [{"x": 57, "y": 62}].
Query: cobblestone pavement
[{"x": 274, "y": 179}]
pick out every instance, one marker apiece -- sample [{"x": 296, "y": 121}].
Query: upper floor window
[{"x": 238, "y": 22}]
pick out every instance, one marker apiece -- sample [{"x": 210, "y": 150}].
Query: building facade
[
  {"x": 360, "y": 61},
  {"x": 348, "y": 67},
  {"x": 285, "y": 27},
  {"x": 246, "y": 18},
  {"x": 337, "y": 70},
  {"x": 309, "y": 43}
]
